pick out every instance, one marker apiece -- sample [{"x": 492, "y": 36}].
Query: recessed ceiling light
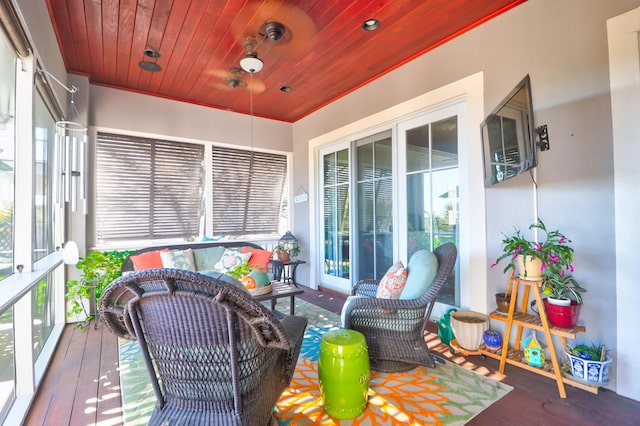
[
  {"x": 370, "y": 25},
  {"x": 151, "y": 53},
  {"x": 148, "y": 65},
  {"x": 285, "y": 89}
]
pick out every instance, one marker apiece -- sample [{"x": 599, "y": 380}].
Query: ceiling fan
[
  {"x": 277, "y": 30},
  {"x": 281, "y": 29}
]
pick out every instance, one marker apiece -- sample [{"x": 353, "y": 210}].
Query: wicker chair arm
[
  {"x": 366, "y": 287},
  {"x": 113, "y": 300},
  {"x": 377, "y": 310},
  {"x": 294, "y": 326}
]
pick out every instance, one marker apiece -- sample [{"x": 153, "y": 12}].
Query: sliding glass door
[{"x": 398, "y": 190}]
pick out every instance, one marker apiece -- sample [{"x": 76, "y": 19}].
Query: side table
[{"x": 286, "y": 271}]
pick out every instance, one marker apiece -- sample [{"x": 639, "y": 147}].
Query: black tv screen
[{"x": 508, "y": 140}]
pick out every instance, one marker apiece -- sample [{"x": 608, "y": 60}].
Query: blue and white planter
[{"x": 589, "y": 371}]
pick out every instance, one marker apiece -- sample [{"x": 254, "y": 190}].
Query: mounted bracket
[{"x": 543, "y": 141}]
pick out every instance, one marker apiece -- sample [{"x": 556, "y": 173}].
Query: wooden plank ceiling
[{"x": 323, "y": 55}]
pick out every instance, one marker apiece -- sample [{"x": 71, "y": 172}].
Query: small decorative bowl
[{"x": 493, "y": 339}]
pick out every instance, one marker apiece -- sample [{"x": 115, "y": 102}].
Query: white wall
[
  {"x": 563, "y": 46},
  {"x": 125, "y": 112},
  {"x": 134, "y": 112},
  {"x": 624, "y": 57}
]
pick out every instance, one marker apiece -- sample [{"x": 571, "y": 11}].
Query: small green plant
[
  {"x": 593, "y": 352},
  {"x": 560, "y": 286},
  {"x": 240, "y": 270},
  {"x": 291, "y": 251},
  {"x": 98, "y": 270}
]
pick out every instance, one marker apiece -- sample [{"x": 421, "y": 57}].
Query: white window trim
[{"x": 472, "y": 249}]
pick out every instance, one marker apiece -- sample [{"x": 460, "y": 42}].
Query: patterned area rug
[{"x": 447, "y": 394}]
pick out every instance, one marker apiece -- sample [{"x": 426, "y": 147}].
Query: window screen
[{"x": 147, "y": 188}]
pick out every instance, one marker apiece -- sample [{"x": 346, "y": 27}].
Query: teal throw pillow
[
  {"x": 206, "y": 258},
  {"x": 421, "y": 270}
]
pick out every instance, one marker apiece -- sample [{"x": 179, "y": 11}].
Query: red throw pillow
[
  {"x": 393, "y": 281},
  {"x": 148, "y": 260},
  {"x": 259, "y": 258}
]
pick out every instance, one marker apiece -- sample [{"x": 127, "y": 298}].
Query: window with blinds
[
  {"x": 247, "y": 191},
  {"x": 148, "y": 189}
]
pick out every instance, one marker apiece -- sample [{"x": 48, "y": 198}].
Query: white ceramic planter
[
  {"x": 559, "y": 302},
  {"x": 468, "y": 328}
]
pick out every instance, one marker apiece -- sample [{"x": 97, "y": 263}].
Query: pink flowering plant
[{"x": 554, "y": 253}]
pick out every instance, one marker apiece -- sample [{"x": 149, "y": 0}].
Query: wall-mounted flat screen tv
[{"x": 508, "y": 139}]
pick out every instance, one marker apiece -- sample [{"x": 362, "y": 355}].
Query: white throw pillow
[
  {"x": 178, "y": 259},
  {"x": 230, "y": 259}
]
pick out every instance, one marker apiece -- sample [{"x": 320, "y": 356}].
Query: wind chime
[{"x": 71, "y": 144}]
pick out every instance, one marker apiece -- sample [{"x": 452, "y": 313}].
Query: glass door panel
[
  {"x": 336, "y": 193},
  {"x": 374, "y": 206},
  {"x": 431, "y": 152}
]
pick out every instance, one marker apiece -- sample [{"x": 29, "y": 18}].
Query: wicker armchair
[
  {"x": 394, "y": 328},
  {"x": 214, "y": 354}
]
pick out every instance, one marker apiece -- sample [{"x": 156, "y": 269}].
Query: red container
[{"x": 562, "y": 316}]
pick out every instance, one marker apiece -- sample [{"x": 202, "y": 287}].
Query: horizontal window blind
[
  {"x": 247, "y": 191},
  {"x": 147, "y": 188}
]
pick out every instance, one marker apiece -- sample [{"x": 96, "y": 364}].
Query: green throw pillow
[
  {"x": 421, "y": 270},
  {"x": 206, "y": 258}
]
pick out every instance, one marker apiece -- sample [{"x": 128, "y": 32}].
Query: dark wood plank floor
[{"x": 82, "y": 386}]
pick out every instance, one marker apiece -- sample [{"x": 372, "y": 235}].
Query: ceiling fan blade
[
  {"x": 231, "y": 79},
  {"x": 299, "y": 34},
  {"x": 257, "y": 86}
]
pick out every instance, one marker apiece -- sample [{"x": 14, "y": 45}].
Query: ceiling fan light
[{"x": 251, "y": 63}]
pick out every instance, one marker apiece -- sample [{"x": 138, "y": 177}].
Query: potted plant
[
  {"x": 554, "y": 257},
  {"x": 588, "y": 364},
  {"x": 286, "y": 254},
  {"x": 98, "y": 270},
  {"x": 561, "y": 288},
  {"x": 553, "y": 252}
]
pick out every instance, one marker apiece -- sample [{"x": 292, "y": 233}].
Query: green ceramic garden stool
[{"x": 343, "y": 372}]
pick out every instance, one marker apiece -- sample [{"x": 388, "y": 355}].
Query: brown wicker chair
[
  {"x": 214, "y": 354},
  {"x": 394, "y": 328}
]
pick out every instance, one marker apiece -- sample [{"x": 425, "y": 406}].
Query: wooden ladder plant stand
[{"x": 522, "y": 319}]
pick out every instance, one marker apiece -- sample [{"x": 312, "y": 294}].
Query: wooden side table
[
  {"x": 286, "y": 271},
  {"x": 281, "y": 290}
]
